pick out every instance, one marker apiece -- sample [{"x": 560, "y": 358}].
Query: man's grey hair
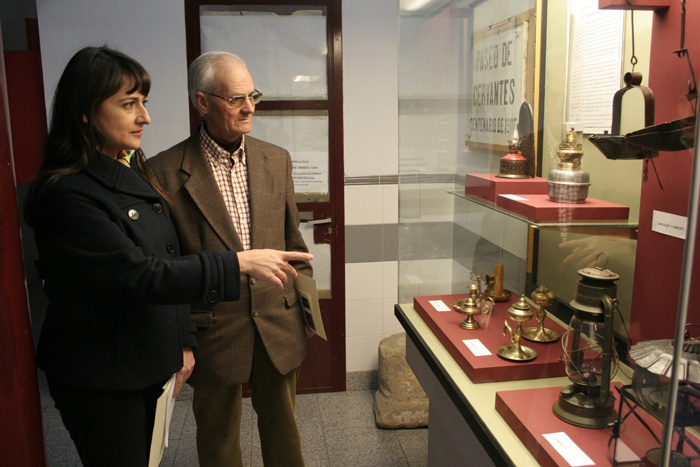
[{"x": 200, "y": 76}]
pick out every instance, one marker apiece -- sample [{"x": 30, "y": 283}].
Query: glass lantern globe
[
  {"x": 589, "y": 352},
  {"x": 583, "y": 356}
]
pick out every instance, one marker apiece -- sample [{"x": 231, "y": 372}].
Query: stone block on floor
[{"x": 400, "y": 401}]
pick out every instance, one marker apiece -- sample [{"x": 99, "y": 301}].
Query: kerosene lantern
[
  {"x": 513, "y": 164},
  {"x": 589, "y": 350},
  {"x": 568, "y": 183}
]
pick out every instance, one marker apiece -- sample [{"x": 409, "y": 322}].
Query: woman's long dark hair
[{"x": 74, "y": 141}]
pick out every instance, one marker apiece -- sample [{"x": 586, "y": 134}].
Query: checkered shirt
[{"x": 231, "y": 175}]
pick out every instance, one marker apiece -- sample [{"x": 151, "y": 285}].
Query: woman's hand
[
  {"x": 184, "y": 374},
  {"x": 270, "y": 265}
]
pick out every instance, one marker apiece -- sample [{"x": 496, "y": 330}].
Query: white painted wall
[
  {"x": 370, "y": 86},
  {"x": 370, "y": 101},
  {"x": 152, "y": 32}
]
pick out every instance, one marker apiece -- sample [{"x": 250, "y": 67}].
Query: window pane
[
  {"x": 291, "y": 47},
  {"x": 305, "y": 135}
]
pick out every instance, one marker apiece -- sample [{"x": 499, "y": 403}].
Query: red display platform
[
  {"x": 529, "y": 413},
  {"x": 490, "y": 368},
  {"x": 539, "y": 208},
  {"x": 489, "y": 186}
]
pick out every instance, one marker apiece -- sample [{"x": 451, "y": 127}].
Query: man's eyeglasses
[{"x": 238, "y": 101}]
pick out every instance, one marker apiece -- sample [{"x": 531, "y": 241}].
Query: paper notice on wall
[
  {"x": 594, "y": 67},
  {"x": 669, "y": 224}
]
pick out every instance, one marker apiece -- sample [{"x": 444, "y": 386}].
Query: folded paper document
[{"x": 308, "y": 295}]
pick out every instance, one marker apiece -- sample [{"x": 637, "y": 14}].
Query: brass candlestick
[
  {"x": 520, "y": 312},
  {"x": 543, "y": 297}
]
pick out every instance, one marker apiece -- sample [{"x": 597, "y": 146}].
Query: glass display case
[
  {"x": 470, "y": 73},
  {"x": 453, "y": 63}
]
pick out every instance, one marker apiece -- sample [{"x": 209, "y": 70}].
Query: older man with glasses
[{"x": 229, "y": 191}]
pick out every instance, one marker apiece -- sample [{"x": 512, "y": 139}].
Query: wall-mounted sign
[
  {"x": 499, "y": 58},
  {"x": 594, "y": 67},
  {"x": 304, "y": 136}
]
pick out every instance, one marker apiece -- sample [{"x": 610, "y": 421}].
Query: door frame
[{"x": 333, "y": 309}]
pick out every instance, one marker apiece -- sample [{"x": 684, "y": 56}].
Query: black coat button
[
  {"x": 169, "y": 247},
  {"x": 157, "y": 207},
  {"x": 213, "y": 296}
]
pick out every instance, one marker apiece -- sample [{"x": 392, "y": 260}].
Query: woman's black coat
[{"x": 119, "y": 293}]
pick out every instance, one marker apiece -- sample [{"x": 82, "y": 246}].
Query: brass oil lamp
[
  {"x": 472, "y": 305},
  {"x": 542, "y": 297},
  {"x": 469, "y": 306},
  {"x": 520, "y": 312},
  {"x": 568, "y": 183}
]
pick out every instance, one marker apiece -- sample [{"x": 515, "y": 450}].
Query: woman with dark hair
[{"x": 117, "y": 325}]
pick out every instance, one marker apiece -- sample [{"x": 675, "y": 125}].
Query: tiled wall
[
  {"x": 406, "y": 235},
  {"x": 371, "y": 271},
  {"x": 370, "y": 50},
  {"x": 390, "y": 260}
]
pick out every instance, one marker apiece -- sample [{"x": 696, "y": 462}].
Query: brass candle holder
[
  {"x": 520, "y": 312},
  {"x": 543, "y": 297},
  {"x": 470, "y": 307},
  {"x": 475, "y": 303},
  {"x": 494, "y": 285}
]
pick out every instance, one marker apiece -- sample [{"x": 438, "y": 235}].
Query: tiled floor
[{"x": 337, "y": 430}]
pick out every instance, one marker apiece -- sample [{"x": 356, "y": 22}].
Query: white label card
[
  {"x": 515, "y": 197},
  {"x": 568, "y": 449},
  {"x": 669, "y": 224},
  {"x": 440, "y": 306},
  {"x": 624, "y": 454},
  {"x": 476, "y": 347}
]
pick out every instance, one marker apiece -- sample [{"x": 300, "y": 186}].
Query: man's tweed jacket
[{"x": 226, "y": 331}]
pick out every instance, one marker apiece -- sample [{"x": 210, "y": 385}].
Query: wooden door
[{"x": 293, "y": 50}]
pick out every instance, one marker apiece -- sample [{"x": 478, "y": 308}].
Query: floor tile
[
  {"x": 347, "y": 409},
  {"x": 337, "y": 430},
  {"x": 177, "y": 421},
  {"x": 414, "y": 443},
  {"x": 184, "y": 450},
  {"x": 363, "y": 447},
  {"x": 60, "y": 451}
]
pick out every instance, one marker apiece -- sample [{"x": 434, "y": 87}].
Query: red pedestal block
[
  {"x": 490, "y": 368},
  {"x": 489, "y": 186},
  {"x": 529, "y": 414},
  {"x": 539, "y": 208}
]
